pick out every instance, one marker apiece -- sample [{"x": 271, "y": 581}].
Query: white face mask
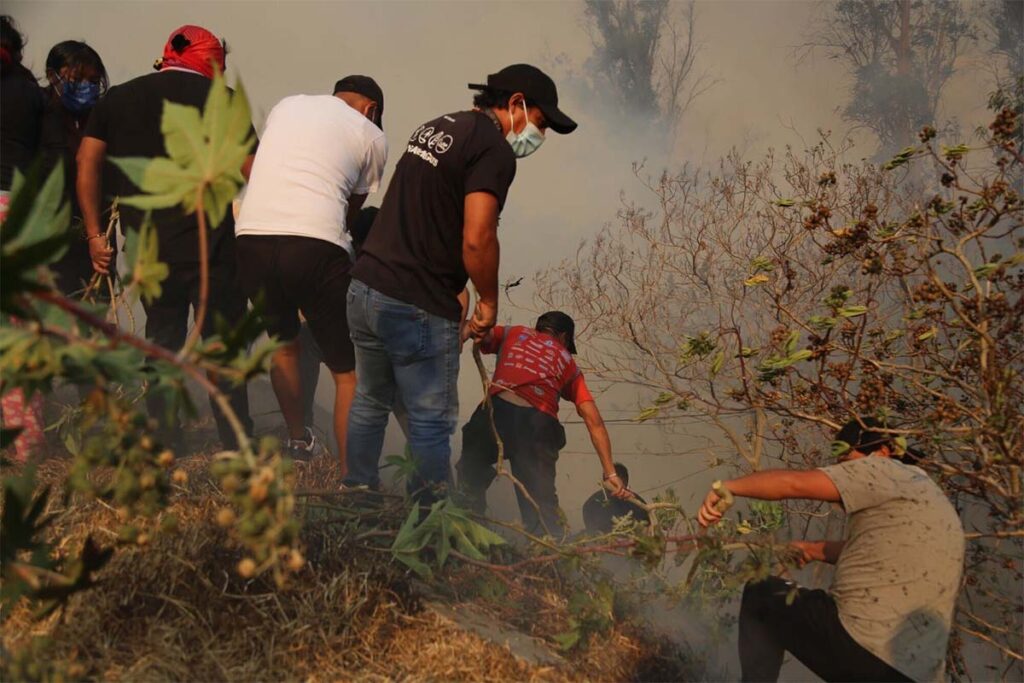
[{"x": 526, "y": 142}]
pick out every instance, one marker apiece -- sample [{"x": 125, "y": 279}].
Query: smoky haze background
[{"x": 424, "y": 53}]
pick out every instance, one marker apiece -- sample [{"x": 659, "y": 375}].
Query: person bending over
[
  {"x": 319, "y": 157},
  {"x": 888, "y": 613},
  {"x": 535, "y": 367},
  {"x": 602, "y": 509}
]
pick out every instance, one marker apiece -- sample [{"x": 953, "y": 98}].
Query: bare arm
[
  {"x": 247, "y": 166},
  {"x": 464, "y": 304},
  {"x": 89, "y": 186},
  {"x": 480, "y": 255},
  {"x": 602, "y": 444},
  {"x": 819, "y": 551},
  {"x": 773, "y": 485}
]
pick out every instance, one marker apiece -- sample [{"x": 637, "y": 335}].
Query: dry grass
[{"x": 176, "y": 610}]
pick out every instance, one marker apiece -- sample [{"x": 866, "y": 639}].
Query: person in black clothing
[
  {"x": 126, "y": 123},
  {"x": 601, "y": 509},
  {"x": 76, "y": 79},
  {"x": 21, "y": 108},
  {"x": 437, "y": 228}
]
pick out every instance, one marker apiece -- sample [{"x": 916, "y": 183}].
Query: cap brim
[
  {"x": 557, "y": 121},
  {"x": 478, "y": 86}
]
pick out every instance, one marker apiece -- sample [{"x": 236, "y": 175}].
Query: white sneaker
[{"x": 301, "y": 450}]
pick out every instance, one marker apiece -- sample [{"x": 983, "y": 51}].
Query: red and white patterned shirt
[{"x": 535, "y": 366}]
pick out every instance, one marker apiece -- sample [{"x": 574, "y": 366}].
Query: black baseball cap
[
  {"x": 559, "y": 322},
  {"x": 538, "y": 88},
  {"x": 367, "y": 87},
  {"x": 864, "y": 435}
]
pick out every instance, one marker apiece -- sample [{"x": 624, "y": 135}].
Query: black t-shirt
[
  {"x": 600, "y": 511},
  {"x": 21, "y": 112},
  {"x": 128, "y": 120},
  {"x": 58, "y": 143},
  {"x": 414, "y": 251},
  {"x": 59, "y": 137}
]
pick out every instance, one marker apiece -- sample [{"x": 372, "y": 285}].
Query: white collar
[{"x": 181, "y": 68}]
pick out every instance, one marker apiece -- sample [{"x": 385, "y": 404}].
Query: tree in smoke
[
  {"x": 775, "y": 299},
  {"x": 900, "y": 54},
  {"x": 645, "y": 54},
  {"x": 1004, "y": 22}
]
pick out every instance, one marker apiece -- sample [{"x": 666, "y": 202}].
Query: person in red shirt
[{"x": 535, "y": 368}]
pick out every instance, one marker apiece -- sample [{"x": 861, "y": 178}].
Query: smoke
[{"x": 424, "y": 54}]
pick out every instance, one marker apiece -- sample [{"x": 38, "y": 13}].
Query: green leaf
[
  {"x": 803, "y": 354},
  {"x": 716, "y": 363},
  {"x": 756, "y": 280},
  {"x": 822, "y": 322},
  {"x": 48, "y": 215},
  {"x": 987, "y": 270},
  {"x": 647, "y": 414},
  {"x": 145, "y": 269},
  {"x": 852, "y": 311},
  {"x": 955, "y": 152},
  {"x": 761, "y": 263},
  {"x": 164, "y": 183},
  {"x": 928, "y": 334},
  {"x": 183, "y": 133},
  {"x": 748, "y": 352},
  {"x": 568, "y": 639},
  {"x": 839, "y": 448},
  {"x": 791, "y": 341},
  {"x": 785, "y": 202},
  {"x": 663, "y": 398}
]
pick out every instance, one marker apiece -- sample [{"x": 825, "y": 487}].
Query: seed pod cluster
[
  {"x": 260, "y": 516},
  {"x": 120, "y": 438}
]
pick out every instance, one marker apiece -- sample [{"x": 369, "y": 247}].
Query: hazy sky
[{"x": 424, "y": 53}]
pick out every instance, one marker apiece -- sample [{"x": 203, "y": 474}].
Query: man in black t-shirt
[
  {"x": 126, "y": 123},
  {"x": 437, "y": 228}
]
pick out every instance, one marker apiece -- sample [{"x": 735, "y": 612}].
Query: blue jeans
[{"x": 401, "y": 352}]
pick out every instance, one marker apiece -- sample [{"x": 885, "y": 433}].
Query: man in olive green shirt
[{"x": 888, "y": 613}]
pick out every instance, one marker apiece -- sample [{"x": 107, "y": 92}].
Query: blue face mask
[
  {"x": 79, "y": 96},
  {"x": 527, "y": 141}
]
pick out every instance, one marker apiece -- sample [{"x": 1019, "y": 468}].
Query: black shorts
[{"x": 300, "y": 274}]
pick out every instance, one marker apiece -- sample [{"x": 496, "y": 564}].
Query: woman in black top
[{"x": 76, "y": 78}]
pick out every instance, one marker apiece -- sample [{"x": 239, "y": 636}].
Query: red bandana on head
[{"x": 195, "y": 48}]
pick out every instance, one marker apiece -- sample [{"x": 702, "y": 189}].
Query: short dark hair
[
  {"x": 623, "y": 473},
  {"x": 863, "y": 435},
  {"x": 491, "y": 99}
]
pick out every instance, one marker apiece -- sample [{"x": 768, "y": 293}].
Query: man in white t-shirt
[
  {"x": 889, "y": 611},
  {"x": 319, "y": 156}
]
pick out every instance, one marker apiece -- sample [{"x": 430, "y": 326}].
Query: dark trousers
[
  {"x": 532, "y": 440},
  {"x": 167, "y": 324},
  {"x": 809, "y": 628}
]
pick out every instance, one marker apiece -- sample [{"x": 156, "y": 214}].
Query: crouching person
[
  {"x": 601, "y": 509},
  {"x": 887, "y": 615},
  {"x": 535, "y": 367}
]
